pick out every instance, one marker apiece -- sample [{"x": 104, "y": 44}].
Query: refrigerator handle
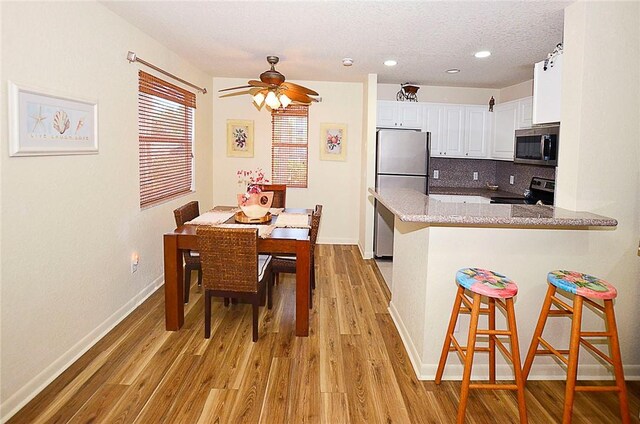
[{"x": 426, "y": 164}]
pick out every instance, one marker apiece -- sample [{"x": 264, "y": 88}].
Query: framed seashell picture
[{"x": 47, "y": 123}]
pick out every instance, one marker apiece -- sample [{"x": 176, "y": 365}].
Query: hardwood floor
[{"x": 352, "y": 368}]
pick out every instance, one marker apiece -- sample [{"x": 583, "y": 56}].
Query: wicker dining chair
[
  {"x": 232, "y": 268},
  {"x": 279, "y": 194},
  {"x": 287, "y": 264},
  {"x": 184, "y": 214}
]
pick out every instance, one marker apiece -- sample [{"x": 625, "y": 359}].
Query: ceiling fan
[{"x": 274, "y": 91}]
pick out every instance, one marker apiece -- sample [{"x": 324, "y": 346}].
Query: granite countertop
[
  {"x": 462, "y": 191},
  {"x": 412, "y": 206}
]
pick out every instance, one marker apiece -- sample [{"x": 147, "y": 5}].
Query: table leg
[
  {"x": 303, "y": 271},
  {"x": 173, "y": 284}
]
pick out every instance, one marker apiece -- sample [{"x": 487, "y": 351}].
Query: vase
[{"x": 256, "y": 205}]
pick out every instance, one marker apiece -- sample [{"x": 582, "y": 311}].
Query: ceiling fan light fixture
[
  {"x": 285, "y": 100},
  {"x": 272, "y": 100},
  {"x": 258, "y": 99}
]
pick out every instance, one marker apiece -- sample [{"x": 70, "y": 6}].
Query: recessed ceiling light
[
  {"x": 483, "y": 53},
  {"x": 452, "y": 71},
  {"x": 390, "y": 62},
  {"x": 347, "y": 61}
]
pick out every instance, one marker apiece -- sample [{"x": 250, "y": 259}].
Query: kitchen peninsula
[{"x": 433, "y": 239}]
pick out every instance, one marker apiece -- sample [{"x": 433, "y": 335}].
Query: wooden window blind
[
  {"x": 165, "y": 124},
  {"x": 289, "y": 145}
]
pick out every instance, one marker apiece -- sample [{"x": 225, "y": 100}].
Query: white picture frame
[{"x": 43, "y": 122}]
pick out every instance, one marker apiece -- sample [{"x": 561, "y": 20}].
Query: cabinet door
[
  {"x": 433, "y": 119},
  {"x": 477, "y": 131},
  {"x": 547, "y": 92},
  {"x": 525, "y": 112},
  {"x": 504, "y": 128},
  {"x": 453, "y": 135},
  {"x": 387, "y": 114},
  {"x": 410, "y": 115}
]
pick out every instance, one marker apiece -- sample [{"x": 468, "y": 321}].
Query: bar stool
[
  {"x": 500, "y": 291},
  {"x": 584, "y": 288}
]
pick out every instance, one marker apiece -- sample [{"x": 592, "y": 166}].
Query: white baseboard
[
  {"x": 453, "y": 369},
  {"x": 21, "y": 397},
  {"x": 365, "y": 254}
]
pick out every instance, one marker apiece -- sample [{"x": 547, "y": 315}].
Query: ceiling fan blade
[
  {"x": 296, "y": 87},
  {"x": 296, "y": 96},
  {"x": 256, "y": 83},
  {"x": 234, "y": 88}
]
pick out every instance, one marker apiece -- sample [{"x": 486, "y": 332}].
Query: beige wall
[
  {"x": 436, "y": 94},
  {"x": 599, "y": 158},
  {"x": 517, "y": 91},
  {"x": 70, "y": 223},
  {"x": 335, "y": 184}
]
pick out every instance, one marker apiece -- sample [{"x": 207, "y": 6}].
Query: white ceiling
[{"x": 233, "y": 38}]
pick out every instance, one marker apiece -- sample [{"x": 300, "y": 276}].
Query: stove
[{"x": 541, "y": 191}]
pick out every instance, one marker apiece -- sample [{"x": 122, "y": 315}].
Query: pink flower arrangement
[{"x": 252, "y": 180}]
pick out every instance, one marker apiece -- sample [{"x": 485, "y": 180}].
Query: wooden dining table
[{"x": 287, "y": 241}]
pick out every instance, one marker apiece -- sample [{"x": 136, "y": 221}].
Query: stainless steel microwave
[{"x": 537, "y": 146}]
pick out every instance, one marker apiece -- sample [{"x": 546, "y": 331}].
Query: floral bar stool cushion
[
  {"x": 486, "y": 283},
  {"x": 582, "y": 284}
]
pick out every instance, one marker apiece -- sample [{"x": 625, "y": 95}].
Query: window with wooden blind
[
  {"x": 289, "y": 145},
  {"x": 165, "y": 123}
]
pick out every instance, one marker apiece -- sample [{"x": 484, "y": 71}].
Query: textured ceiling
[{"x": 232, "y": 38}]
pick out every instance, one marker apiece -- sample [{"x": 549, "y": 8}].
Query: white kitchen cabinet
[
  {"x": 453, "y": 131},
  {"x": 505, "y": 122},
  {"x": 547, "y": 91},
  {"x": 477, "y": 131},
  {"x": 392, "y": 114},
  {"x": 433, "y": 123},
  {"x": 525, "y": 112}
]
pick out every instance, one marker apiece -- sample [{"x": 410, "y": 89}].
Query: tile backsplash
[{"x": 459, "y": 173}]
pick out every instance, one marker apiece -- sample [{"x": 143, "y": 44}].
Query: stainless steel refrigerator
[{"x": 402, "y": 161}]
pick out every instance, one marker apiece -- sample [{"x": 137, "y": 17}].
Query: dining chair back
[
  {"x": 279, "y": 194},
  {"x": 287, "y": 264},
  {"x": 186, "y": 213},
  {"x": 232, "y": 268}
]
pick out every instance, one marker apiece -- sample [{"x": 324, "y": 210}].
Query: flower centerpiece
[{"x": 254, "y": 202}]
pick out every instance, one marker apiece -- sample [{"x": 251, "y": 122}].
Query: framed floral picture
[
  {"x": 48, "y": 123},
  {"x": 333, "y": 141},
  {"x": 239, "y": 138}
]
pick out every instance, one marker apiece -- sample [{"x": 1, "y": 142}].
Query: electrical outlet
[
  {"x": 475, "y": 176},
  {"x": 436, "y": 174},
  {"x": 511, "y": 179},
  {"x": 135, "y": 260}
]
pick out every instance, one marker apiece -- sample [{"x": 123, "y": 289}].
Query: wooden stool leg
[
  {"x": 572, "y": 367},
  {"x": 542, "y": 320},
  {"x": 447, "y": 338},
  {"x": 468, "y": 360},
  {"x": 515, "y": 355},
  {"x": 492, "y": 340},
  {"x": 617, "y": 361}
]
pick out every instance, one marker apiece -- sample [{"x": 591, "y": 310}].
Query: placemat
[
  {"x": 211, "y": 218},
  {"x": 293, "y": 220},
  {"x": 263, "y": 230}
]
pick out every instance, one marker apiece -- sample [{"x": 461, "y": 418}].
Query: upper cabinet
[
  {"x": 547, "y": 91},
  {"x": 477, "y": 131},
  {"x": 505, "y": 121},
  {"x": 525, "y": 112},
  {"x": 393, "y": 114}
]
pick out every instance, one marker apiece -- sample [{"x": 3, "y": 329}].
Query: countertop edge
[{"x": 494, "y": 221}]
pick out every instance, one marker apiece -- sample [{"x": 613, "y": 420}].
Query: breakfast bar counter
[
  {"x": 412, "y": 206},
  {"x": 433, "y": 239}
]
